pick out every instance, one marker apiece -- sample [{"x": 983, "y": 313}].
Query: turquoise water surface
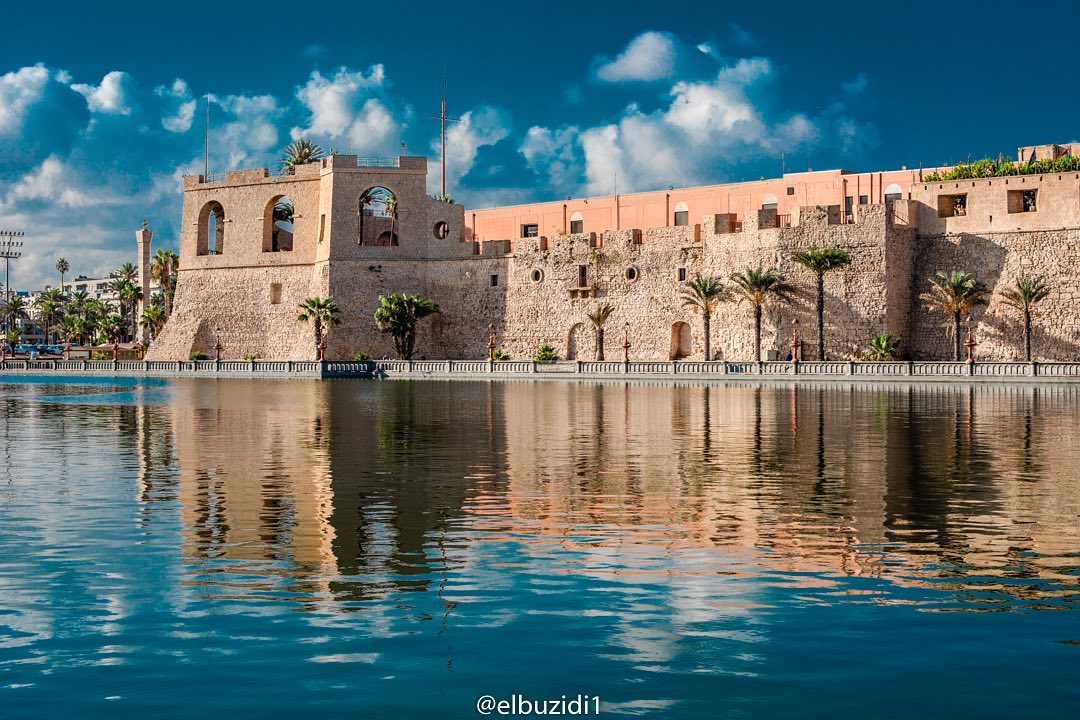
[{"x": 393, "y": 549}]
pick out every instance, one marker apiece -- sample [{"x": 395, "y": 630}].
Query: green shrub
[
  {"x": 883, "y": 346},
  {"x": 498, "y": 355},
  {"x": 546, "y": 354},
  {"x": 100, "y": 356},
  {"x": 251, "y": 356},
  {"x": 197, "y": 355},
  {"x": 986, "y": 168},
  {"x": 361, "y": 357}
]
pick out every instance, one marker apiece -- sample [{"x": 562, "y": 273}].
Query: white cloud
[
  {"x": 51, "y": 181},
  {"x": 19, "y": 90},
  {"x": 180, "y": 121},
  {"x": 476, "y": 129},
  {"x": 349, "y": 107},
  {"x": 110, "y": 97},
  {"x": 553, "y": 154},
  {"x": 649, "y": 56},
  {"x": 249, "y": 132}
]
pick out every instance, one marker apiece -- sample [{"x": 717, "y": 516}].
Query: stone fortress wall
[{"x": 538, "y": 287}]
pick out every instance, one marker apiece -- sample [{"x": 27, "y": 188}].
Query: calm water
[{"x": 364, "y": 549}]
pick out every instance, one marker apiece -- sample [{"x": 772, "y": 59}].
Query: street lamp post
[
  {"x": 491, "y": 342},
  {"x": 796, "y": 344},
  {"x": 626, "y": 343},
  {"x": 218, "y": 346}
]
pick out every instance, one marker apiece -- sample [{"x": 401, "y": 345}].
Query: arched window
[
  {"x": 211, "y": 235},
  {"x": 892, "y": 193},
  {"x": 577, "y": 223},
  {"x": 769, "y": 202},
  {"x": 278, "y": 224},
  {"x": 682, "y": 214},
  {"x": 377, "y": 214}
]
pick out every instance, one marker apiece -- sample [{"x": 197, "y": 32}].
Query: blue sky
[{"x": 100, "y": 104}]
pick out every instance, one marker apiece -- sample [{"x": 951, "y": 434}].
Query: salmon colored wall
[{"x": 657, "y": 209}]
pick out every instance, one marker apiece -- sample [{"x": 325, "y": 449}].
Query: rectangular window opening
[
  {"x": 952, "y": 205},
  {"x": 682, "y": 217},
  {"x": 682, "y": 274},
  {"x": 864, "y": 199},
  {"x": 530, "y": 231},
  {"x": 494, "y": 281},
  {"x": 583, "y": 276},
  {"x": 1023, "y": 201},
  {"x": 577, "y": 227},
  {"x": 275, "y": 293},
  {"x": 790, "y": 190}
]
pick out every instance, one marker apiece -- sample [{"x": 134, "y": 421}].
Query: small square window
[
  {"x": 494, "y": 281},
  {"x": 577, "y": 227},
  {"x": 275, "y": 293},
  {"x": 1023, "y": 201},
  {"x": 682, "y": 274},
  {"x": 864, "y": 199},
  {"x": 530, "y": 230},
  {"x": 952, "y": 205},
  {"x": 790, "y": 190},
  {"x": 682, "y": 217}
]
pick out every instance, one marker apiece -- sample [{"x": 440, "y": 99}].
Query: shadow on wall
[{"x": 931, "y": 331}]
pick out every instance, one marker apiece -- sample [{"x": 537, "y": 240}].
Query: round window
[
  {"x": 441, "y": 230},
  {"x": 631, "y": 273},
  {"x": 537, "y": 275}
]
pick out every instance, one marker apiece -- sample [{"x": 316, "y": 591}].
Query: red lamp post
[
  {"x": 491, "y": 342},
  {"x": 626, "y": 343},
  {"x": 970, "y": 342}
]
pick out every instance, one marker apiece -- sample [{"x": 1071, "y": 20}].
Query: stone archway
[
  {"x": 682, "y": 342},
  {"x": 577, "y": 341}
]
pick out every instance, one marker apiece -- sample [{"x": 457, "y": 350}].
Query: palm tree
[
  {"x": 62, "y": 267},
  {"x": 954, "y": 293},
  {"x": 128, "y": 272},
  {"x": 13, "y": 309},
  {"x": 756, "y": 286},
  {"x": 132, "y": 295},
  {"x": 1028, "y": 292},
  {"x": 152, "y": 320},
  {"x": 323, "y": 312},
  {"x": 49, "y": 311},
  {"x": 392, "y": 211},
  {"x": 163, "y": 267},
  {"x": 300, "y": 152},
  {"x": 80, "y": 327},
  {"x": 819, "y": 261},
  {"x": 398, "y": 314},
  {"x": 883, "y": 346},
  {"x": 704, "y": 293},
  {"x": 70, "y": 329},
  {"x": 111, "y": 328},
  {"x": 77, "y": 302},
  {"x": 598, "y": 317}
]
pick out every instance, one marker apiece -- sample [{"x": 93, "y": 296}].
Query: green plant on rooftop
[{"x": 987, "y": 168}]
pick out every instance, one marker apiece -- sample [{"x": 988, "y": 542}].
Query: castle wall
[{"x": 540, "y": 289}]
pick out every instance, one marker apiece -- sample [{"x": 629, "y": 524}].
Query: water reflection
[{"x": 353, "y": 491}]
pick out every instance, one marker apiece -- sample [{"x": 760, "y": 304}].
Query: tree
[
  {"x": 164, "y": 267},
  {"x": 1027, "y": 293},
  {"x": 954, "y": 293},
  {"x": 62, "y": 267},
  {"x": 598, "y": 317},
  {"x": 128, "y": 272},
  {"x": 883, "y": 346},
  {"x": 756, "y": 286},
  {"x": 323, "y": 313},
  {"x": 819, "y": 261},
  {"x": 300, "y": 152},
  {"x": 111, "y": 327},
  {"x": 13, "y": 309},
  {"x": 398, "y": 314},
  {"x": 392, "y": 211},
  {"x": 152, "y": 320},
  {"x": 132, "y": 295},
  {"x": 50, "y": 311},
  {"x": 70, "y": 328},
  {"x": 704, "y": 293}
]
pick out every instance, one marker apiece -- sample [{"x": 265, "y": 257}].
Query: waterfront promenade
[{"x": 900, "y": 370}]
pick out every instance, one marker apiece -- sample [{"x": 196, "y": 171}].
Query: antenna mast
[
  {"x": 206, "y": 142},
  {"x": 443, "y": 119}
]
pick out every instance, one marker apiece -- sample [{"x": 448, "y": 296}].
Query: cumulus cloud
[
  {"x": 249, "y": 130},
  {"x": 476, "y": 129},
  {"x": 179, "y": 96},
  {"x": 349, "y": 107},
  {"x": 109, "y": 97},
  {"x": 707, "y": 127},
  {"x": 650, "y": 56},
  {"x": 19, "y": 90}
]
